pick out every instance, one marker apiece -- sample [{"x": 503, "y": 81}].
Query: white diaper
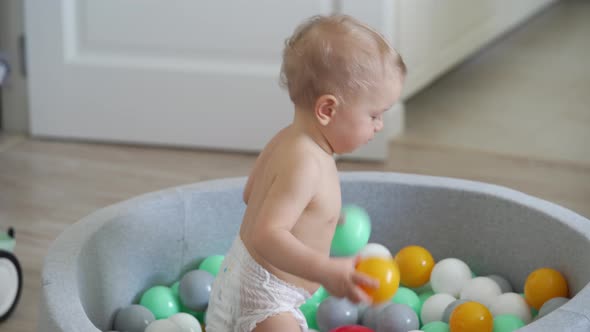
[{"x": 244, "y": 294}]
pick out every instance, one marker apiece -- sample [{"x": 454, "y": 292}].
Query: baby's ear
[{"x": 325, "y": 109}]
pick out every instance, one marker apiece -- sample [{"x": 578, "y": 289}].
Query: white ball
[
  {"x": 374, "y": 250},
  {"x": 513, "y": 304},
  {"x": 163, "y": 325},
  {"x": 434, "y": 307},
  {"x": 481, "y": 289},
  {"x": 449, "y": 276},
  {"x": 186, "y": 322}
]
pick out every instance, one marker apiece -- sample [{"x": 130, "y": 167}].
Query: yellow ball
[
  {"x": 415, "y": 265},
  {"x": 384, "y": 270},
  {"x": 544, "y": 284},
  {"x": 471, "y": 317}
]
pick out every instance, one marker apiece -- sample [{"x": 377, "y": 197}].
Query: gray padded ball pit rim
[{"x": 106, "y": 260}]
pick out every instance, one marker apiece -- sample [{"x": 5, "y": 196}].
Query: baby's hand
[{"x": 341, "y": 279}]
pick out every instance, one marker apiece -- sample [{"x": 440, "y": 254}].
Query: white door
[{"x": 185, "y": 72}]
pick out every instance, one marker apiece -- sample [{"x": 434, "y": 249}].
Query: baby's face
[{"x": 359, "y": 120}]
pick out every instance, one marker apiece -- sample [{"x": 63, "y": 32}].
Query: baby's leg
[{"x": 284, "y": 322}]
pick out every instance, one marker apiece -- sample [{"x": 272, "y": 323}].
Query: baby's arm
[{"x": 289, "y": 195}]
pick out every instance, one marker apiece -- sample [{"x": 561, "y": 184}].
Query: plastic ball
[
  {"x": 551, "y": 305},
  {"x": 386, "y": 272},
  {"x": 369, "y": 317},
  {"x": 194, "y": 289},
  {"x": 352, "y": 328},
  {"x": 504, "y": 284},
  {"x": 134, "y": 318},
  {"x": 511, "y": 304},
  {"x": 415, "y": 265},
  {"x": 434, "y": 307},
  {"x": 352, "y": 234},
  {"x": 450, "y": 308},
  {"x": 507, "y": 323},
  {"x": 200, "y": 315},
  {"x": 408, "y": 297},
  {"x": 161, "y": 301},
  {"x": 374, "y": 250},
  {"x": 163, "y": 325},
  {"x": 335, "y": 312},
  {"x": 480, "y": 289},
  {"x": 436, "y": 327},
  {"x": 186, "y": 322},
  {"x": 427, "y": 287},
  {"x": 212, "y": 264},
  {"x": 471, "y": 317},
  {"x": 449, "y": 276},
  {"x": 544, "y": 284},
  {"x": 424, "y": 296},
  {"x": 310, "y": 307},
  {"x": 397, "y": 317}
]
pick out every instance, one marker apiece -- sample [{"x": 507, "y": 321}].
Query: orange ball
[
  {"x": 471, "y": 317},
  {"x": 544, "y": 284},
  {"x": 415, "y": 265},
  {"x": 384, "y": 270}
]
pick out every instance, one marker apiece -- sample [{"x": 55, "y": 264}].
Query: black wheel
[{"x": 11, "y": 279}]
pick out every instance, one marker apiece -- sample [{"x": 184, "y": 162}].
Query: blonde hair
[{"x": 336, "y": 55}]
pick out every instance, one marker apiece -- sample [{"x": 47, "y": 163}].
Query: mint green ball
[
  {"x": 353, "y": 234},
  {"x": 201, "y": 316},
  {"x": 310, "y": 310},
  {"x": 161, "y": 301},
  {"x": 408, "y": 297},
  {"x": 310, "y": 307},
  {"x": 212, "y": 264},
  {"x": 507, "y": 323},
  {"x": 435, "y": 327}
]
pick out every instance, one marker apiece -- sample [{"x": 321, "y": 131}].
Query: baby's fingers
[
  {"x": 359, "y": 296},
  {"x": 362, "y": 279}
]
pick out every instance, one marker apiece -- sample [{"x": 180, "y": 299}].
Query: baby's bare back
[{"x": 315, "y": 227}]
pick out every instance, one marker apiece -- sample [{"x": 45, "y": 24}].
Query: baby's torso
[{"x": 315, "y": 228}]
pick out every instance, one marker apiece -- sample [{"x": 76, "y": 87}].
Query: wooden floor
[{"x": 47, "y": 185}]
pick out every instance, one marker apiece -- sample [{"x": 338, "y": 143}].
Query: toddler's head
[{"x": 340, "y": 56}]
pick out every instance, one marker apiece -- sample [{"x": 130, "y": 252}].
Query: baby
[{"x": 341, "y": 76}]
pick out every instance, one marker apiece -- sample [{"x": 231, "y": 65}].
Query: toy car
[{"x": 10, "y": 275}]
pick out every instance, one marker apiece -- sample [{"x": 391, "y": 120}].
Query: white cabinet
[{"x": 435, "y": 35}]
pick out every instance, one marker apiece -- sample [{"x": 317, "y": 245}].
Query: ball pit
[{"x": 107, "y": 260}]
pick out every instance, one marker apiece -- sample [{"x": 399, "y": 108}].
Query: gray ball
[
  {"x": 195, "y": 288},
  {"x": 397, "y": 317},
  {"x": 369, "y": 316},
  {"x": 551, "y": 305},
  {"x": 449, "y": 309},
  {"x": 504, "y": 284},
  {"x": 134, "y": 318},
  {"x": 334, "y": 312}
]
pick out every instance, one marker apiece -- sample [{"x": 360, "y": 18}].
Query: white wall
[{"x": 14, "y": 90}]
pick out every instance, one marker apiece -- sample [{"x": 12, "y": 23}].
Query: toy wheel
[{"x": 10, "y": 283}]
